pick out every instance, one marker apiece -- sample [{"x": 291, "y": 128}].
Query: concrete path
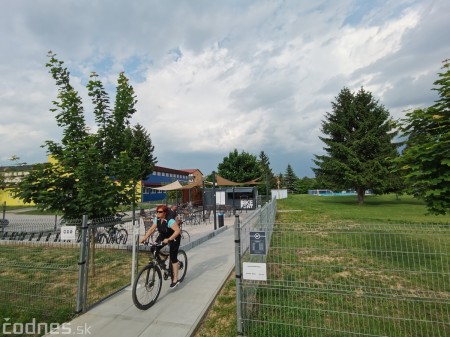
[{"x": 178, "y": 311}]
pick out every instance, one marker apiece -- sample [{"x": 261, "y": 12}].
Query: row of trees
[
  {"x": 96, "y": 172},
  {"x": 244, "y": 166}
]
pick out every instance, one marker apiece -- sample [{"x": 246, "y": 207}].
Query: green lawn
[
  {"x": 335, "y": 266},
  {"x": 40, "y": 281},
  {"x": 376, "y": 209}
]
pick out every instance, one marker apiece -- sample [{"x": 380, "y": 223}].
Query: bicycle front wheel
[
  {"x": 183, "y": 262},
  {"x": 146, "y": 287}
]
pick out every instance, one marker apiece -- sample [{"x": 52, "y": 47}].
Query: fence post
[
  {"x": 237, "y": 253},
  {"x": 82, "y": 266},
  {"x": 135, "y": 247}
]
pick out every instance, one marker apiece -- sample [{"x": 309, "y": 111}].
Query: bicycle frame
[{"x": 156, "y": 260}]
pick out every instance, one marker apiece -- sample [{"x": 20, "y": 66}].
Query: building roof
[
  {"x": 192, "y": 170},
  {"x": 168, "y": 170}
]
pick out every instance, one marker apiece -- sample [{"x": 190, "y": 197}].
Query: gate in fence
[{"x": 344, "y": 279}]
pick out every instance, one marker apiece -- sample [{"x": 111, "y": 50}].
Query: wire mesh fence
[
  {"x": 40, "y": 271},
  {"x": 350, "y": 280},
  {"x": 108, "y": 260},
  {"x": 38, "y": 280}
]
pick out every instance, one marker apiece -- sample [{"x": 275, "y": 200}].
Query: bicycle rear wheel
[
  {"x": 185, "y": 237},
  {"x": 182, "y": 260},
  {"x": 103, "y": 238},
  {"x": 146, "y": 287},
  {"x": 122, "y": 236}
]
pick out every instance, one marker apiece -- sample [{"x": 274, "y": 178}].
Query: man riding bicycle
[{"x": 169, "y": 233}]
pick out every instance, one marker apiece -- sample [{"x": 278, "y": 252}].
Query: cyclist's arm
[{"x": 149, "y": 232}]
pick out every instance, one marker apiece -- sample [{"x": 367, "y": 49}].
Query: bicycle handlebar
[{"x": 153, "y": 243}]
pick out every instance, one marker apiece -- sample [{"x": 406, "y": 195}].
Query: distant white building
[
  {"x": 320, "y": 192},
  {"x": 279, "y": 194}
]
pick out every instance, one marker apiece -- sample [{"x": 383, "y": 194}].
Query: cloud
[{"x": 214, "y": 76}]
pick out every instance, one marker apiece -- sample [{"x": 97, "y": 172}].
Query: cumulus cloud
[{"x": 211, "y": 77}]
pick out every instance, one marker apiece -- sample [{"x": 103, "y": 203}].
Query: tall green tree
[
  {"x": 267, "y": 177},
  {"x": 92, "y": 173},
  {"x": 239, "y": 167},
  {"x": 426, "y": 157},
  {"x": 359, "y": 135},
  {"x": 290, "y": 179},
  {"x": 304, "y": 184},
  {"x": 142, "y": 148}
]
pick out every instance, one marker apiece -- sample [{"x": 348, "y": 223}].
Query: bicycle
[
  {"x": 113, "y": 231},
  {"x": 191, "y": 217},
  {"x": 114, "y": 234},
  {"x": 147, "y": 286}
]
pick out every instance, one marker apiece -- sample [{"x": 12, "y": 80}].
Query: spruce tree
[
  {"x": 358, "y": 134},
  {"x": 290, "y": 179}
]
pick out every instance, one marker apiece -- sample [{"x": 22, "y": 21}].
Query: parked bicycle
[
  {"x": 113, "y": 234},
  {"x": 148, "y": 283},
  {"x": 113, "y": 229},
  {"x": 191, "y": 217}
]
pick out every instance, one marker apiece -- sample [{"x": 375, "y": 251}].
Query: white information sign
[
  {"x": 220, "y": 198},
  {"x": 254, "y": 271},
  {"x": 68, "y": 232}
]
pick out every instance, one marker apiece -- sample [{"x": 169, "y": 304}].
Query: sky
[{"x": 214, "y": 76}]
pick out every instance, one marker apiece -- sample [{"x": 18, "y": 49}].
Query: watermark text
[{"x": 33, "y": 328}]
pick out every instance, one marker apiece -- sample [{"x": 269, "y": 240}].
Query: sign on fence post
[
  {"x": 258, "y": 243},
  {"x": 68, "y": 233},
  {"x": 256, "y": 271}
]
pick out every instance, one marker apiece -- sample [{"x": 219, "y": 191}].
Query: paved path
[{"x": 178, "y": 311}]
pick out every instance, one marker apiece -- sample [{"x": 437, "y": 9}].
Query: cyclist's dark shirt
[{"x": 164, "y": 229}]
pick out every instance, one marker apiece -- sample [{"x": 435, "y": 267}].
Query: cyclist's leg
[{"x": 174, "y": 245}]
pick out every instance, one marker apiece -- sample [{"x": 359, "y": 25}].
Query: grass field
[
  {"x": 335, "y": 266},
  {"x": 40, "y": 281}
]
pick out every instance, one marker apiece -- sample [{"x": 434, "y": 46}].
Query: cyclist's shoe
[{"x": 174, "y": 284}]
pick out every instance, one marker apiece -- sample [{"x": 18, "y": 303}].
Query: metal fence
[
  {"x": 348, "y": 280},
  {"x": 105, "y": 260},
  {"x": 49, "y": 279},
  {"x": 38, "y": 277}
]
